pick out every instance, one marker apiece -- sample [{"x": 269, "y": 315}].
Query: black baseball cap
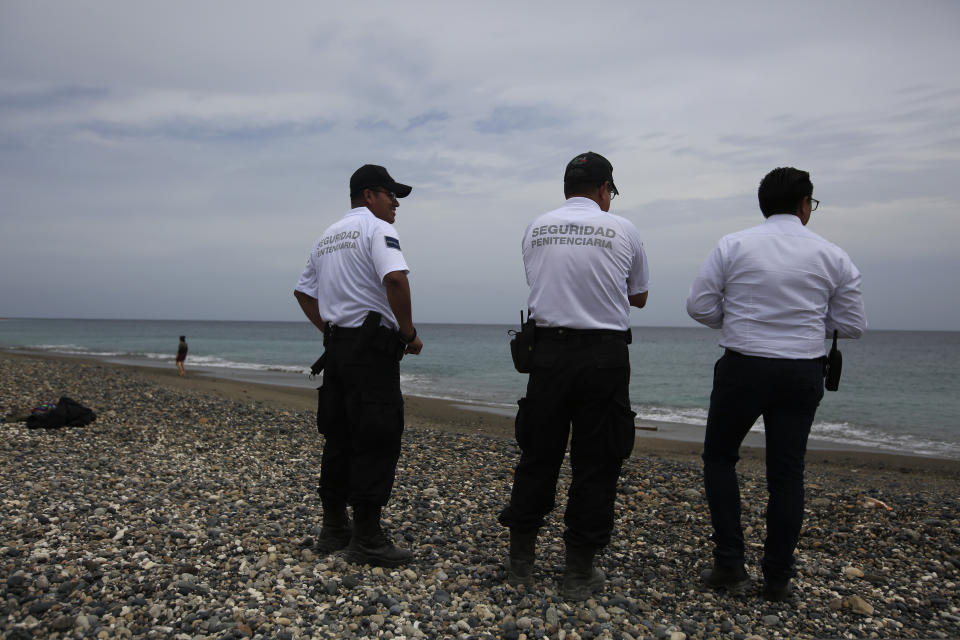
[
  {"x": 371, "y": 176},
  {"x": 590, "y": 167}
]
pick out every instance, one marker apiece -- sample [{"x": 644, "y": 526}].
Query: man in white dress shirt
[{"x": 775, "y": 291}]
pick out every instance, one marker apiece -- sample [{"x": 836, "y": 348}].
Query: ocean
[{"x": 898, "y": 392}]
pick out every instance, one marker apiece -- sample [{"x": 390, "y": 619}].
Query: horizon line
[{"x": 424, "y": 322}]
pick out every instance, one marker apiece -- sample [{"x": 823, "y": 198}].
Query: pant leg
[
  {"x": 374, "y": 410},
  {"x": 363, "y": 424},
  {"x": 603, "y": 435},
  {"x": 787, "y": 424},
  {"x": 735, "y": 405},
  {"x": 542, "y": 429},
  {"x": 334, "y": 482}
]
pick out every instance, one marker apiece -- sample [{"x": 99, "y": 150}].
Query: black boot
[
  {"x": 581, "y": 578},
  {"x": 732, "y": 579},
  {"x": 522, "y": 556},
  {"x": 336, "y": 531},
  {"x": 369, "y": 544},
  {"x": 777, "y": 590}
]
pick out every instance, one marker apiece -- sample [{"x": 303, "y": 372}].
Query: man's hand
[
  {"x": 414, "y": 347},
  {"x": 638, "y": 300},
  {"x": 398, "y": 296}
]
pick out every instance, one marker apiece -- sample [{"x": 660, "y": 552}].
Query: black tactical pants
[
  {"x": 360, "y": 412},
  {"x": 786, "y": 393},
  {"x": 580, "y": 379}
]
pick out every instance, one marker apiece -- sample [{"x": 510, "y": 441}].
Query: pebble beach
[{"x": 188, "y": 510}]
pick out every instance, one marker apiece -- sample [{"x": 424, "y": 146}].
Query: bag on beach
[{"x": 67, "y": 413}]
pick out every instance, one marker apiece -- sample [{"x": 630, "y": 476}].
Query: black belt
[
  {"x": 335, "y": 333},
  {"x": 737, "y": 354},
  {"x": 370, "y": 335},
  {"x": 583, "y": 335}
]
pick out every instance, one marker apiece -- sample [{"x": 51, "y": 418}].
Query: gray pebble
[{"x": 219, "y": 518}]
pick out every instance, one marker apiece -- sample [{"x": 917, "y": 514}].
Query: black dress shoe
[
  {"x": 732, "y": 579},
  {"x": 777, "y": 591}
]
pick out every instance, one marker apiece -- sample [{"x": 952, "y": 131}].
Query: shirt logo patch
[{"x": 392, "y": 243}]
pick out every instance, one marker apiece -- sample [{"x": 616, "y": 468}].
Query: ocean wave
[
  {"x": 427, "y": 386},
  {"x": 223, "y": 363},
  {"x": 72, "y": 349},
  {"x": 841, "y": 433},
  {"x": 844, "y": 433},
  {"x": 134, "y": 356},
  {"x": 459, "y": 398},
  {"x": 696, "y": 416},
  {"x": 463, "y": 399},
  {"x": 155, "y": 356}
]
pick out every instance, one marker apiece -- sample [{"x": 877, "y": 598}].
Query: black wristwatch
[{"x": 406, "y": 340}]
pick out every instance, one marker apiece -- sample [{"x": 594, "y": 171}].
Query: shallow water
[{"x": 898, "y": 391}]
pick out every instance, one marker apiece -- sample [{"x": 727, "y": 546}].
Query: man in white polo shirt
[
  {"x": 586, "y": 268},
  {"x": 775, "y": 291},
  {"x": 355, "y": 290}
]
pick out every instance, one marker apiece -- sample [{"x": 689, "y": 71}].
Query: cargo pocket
[
  {"x": 518, "y": 422},
  {"x": 377, "y": 419},
  {"x": 324, "y": 417},
  {"x": 621, "y": 431}
]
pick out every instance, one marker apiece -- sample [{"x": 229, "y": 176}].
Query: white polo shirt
[
  {"x": 346, "y": 268},
  {"x": 777, "y": 290},
  {"x": 581, "y": 265}
]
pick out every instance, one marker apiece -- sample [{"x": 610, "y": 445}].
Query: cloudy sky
[{"x": 177, "y": 160}]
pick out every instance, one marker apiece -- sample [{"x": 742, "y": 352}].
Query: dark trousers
[
  {"x": 583, "y": 381},
  {"x": 786, "y": 393},
  {"x": 360, "y": 412}
]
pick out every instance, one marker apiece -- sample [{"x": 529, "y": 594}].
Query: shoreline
[{"x": 664, "y": 439}]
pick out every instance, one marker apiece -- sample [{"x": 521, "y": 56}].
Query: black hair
[
  {"x": 357, "y": 199},
  {"x": 783, "y": 190},
  {"x": 183, "y": 337},
  {"x": 581, "y": 187}
]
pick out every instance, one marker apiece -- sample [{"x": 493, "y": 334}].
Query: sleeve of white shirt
[
  {"x": 523, "y": 252},
  {"x": 309, "y": 282},
  {"x": 845, "y": 312},
  {"x": 638, "y": 280},
  {"x": 705, "y": 302},
  {"x": 385, "y": 251}
]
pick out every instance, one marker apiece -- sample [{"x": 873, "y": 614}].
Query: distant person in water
[{"x": 182, "y": 355}]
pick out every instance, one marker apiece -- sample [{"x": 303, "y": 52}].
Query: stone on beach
[
  {"x": 858, "y": 605},
  {"x": 190, "y": 515},
  {"x": 852, "y": 572}
]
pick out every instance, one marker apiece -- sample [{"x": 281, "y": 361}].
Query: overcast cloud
[{"x": 177, "y": 160}]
